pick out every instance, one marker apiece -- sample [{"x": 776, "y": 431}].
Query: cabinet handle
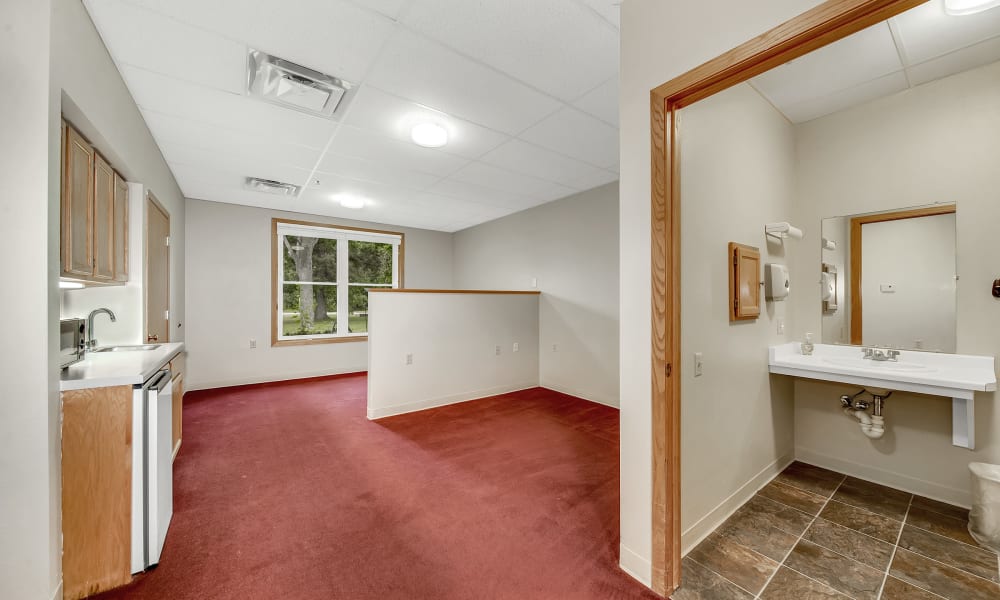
[{"x": 152, "y": 338}]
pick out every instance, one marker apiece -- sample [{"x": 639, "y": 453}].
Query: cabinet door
[
  {"x": 77, "y": 205},
  {"x": 744, "y": 282},
  {"x": 104, "y": 220},
  {"x": 178, "y": 410},
  {"x": 120, "y": 232}
]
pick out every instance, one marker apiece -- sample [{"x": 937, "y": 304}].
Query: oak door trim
[
  {"x": 822, "y": 25},
  {"x": 154, "y": 204},
  {"x": 857, "y": 318}
]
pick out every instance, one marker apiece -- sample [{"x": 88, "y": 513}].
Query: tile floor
[{"x": 814, "y": 533}]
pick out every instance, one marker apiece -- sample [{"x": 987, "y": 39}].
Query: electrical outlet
[
  {"x": 409, "y": 359},
  {"x": 534, "y": 282},
  {"x": 555, "y": 347},
  {"x": 496, "y": 349},
  {"x": 253, "y": 343},
  {"x": 697, "y": 364},
  {"x": 781, "y": 326},
  {"x": 517, "y": 347}
]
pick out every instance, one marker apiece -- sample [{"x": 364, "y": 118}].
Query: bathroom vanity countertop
[
  {"x": 951, "y": 375},
  {"x": 105, "y": 369}
]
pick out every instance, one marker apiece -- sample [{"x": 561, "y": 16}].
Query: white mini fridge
[{"x": 152, "y": 468}]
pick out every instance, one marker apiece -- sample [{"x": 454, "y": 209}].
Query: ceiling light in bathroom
[
  {"x": 429, "y": 135},
  {"x": 350, "y": 200},
  {"x": 968, "y": 7}
]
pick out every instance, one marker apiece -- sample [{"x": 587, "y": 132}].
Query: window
[{"x": 320, "y": 279}]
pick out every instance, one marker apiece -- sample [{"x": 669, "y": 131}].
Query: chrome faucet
[
  {"x": 91, "y": 340},
  {"x": 880, "y": 354}
]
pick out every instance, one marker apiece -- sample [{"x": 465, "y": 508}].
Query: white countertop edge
[{"x": 131, "y": 368}]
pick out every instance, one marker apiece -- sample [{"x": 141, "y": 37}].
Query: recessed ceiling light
[
  {"x": 429, "y": 135},
  {"x": 350, "y": 200},
  {"x": 968, "y": 7}
]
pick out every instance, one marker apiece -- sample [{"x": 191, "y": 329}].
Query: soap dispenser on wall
[{"x": 776, "y": 282}]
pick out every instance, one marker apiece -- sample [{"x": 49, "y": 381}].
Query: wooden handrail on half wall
[{"x": 830, "y": 21}]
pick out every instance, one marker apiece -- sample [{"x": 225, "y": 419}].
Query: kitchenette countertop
[{"x": 106, "y": 369}]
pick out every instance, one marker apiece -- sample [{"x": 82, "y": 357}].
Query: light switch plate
[{"x": 698, "y": 360}]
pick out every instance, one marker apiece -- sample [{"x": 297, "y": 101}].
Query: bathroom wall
[
  {"x": 917, "y": 258},
  {"x": 935, "y": 143},
  {"x": 229, "y": 296},
  {"x": 569, "y": 249},
  {"x": 659, "y": 41},
  {"x": 90, "y": 92},
  {"x": 836, "y": 324},
  {"x": 737, "y": 174}
]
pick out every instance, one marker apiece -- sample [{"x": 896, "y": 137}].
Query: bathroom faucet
[
  {"x": 91, "y": 340},
  {"x": 879, "y": 354}
]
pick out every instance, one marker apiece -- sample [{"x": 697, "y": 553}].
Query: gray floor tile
[
  {"x": 841, "y": 573},
  {"x": 789, "y": 585},
  {"x": 895, "y": 589},
  {"x": 735, "y": 562},
  {"x": 971, "y": 559},
  {"x": 810, "y": 478},
  {"x": 941, "y": 579},
  {"x": 807, "y": 502},
  {"x": 859, "y": 519},
  {"x": 873, "y": 497},
  {"x": 940, "y": 524},
  {"x": 699, "y": 583},
  {"x": 862, "y": 548}
]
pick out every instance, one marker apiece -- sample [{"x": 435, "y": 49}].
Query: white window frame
[{"x": 343, "y": 235}]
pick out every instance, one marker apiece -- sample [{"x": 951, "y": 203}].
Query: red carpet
[{"x": 288, "y": 491}]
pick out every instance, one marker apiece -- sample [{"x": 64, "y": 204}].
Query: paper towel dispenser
[{"x": 776, "y": 283}]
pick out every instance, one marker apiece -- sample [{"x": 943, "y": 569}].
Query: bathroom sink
[
  {"x": 138, "y": 348},
  {"x": 886, "y": 365}
]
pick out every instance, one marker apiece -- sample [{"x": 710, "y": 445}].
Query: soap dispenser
[{"x": 807, "y": 346}]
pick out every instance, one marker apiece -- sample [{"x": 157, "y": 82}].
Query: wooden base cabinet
[
  {"x": 96, "y": 490},
  {"x": 177, "y": 370}
]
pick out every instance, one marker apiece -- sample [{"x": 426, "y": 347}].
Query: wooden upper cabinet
[
  {"x": 744, "y": 282},
  {"x": 77, "y": 205},
  {"x": 104, "y": 216},
  {"x": 94, "y": 214},
  {"x": 120, "y": 231}
]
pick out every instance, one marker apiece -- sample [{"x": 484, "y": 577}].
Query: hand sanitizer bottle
[{"x": 807, "y": 346}]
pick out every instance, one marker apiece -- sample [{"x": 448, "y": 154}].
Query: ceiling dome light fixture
[
  {"x": 429, "y": 135},
  {"x": 350, "y": 201},
  {"x": 968, "y": 7}
]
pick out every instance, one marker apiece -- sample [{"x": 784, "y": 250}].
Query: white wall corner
[
  {"x": 929, "y": 489},
  {"x": 408, "y": 407},
  {"x": 637, "y": 567},
  {"x": 57, "y": 593},
  {"x": 711, "y": 521},
  {"x": 224, "y": 383},
  {"x": 570, "y": 391}
]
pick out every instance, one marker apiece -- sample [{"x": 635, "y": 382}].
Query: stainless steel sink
[{"x": 138, "y": 348}]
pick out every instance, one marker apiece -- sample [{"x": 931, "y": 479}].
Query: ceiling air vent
[
  {"x": 270, "y": 186},
  {"x": 285, "y": 83}
]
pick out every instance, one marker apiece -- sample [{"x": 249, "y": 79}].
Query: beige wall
[
  {"x": 570, "y": 248},
  {"x": 738, "y": 173},
  {"x": 91, "y": 93},
  {"x": 29, "y": 404},
  {"x": 934, "y": 143},
  {"x": 229, "y": 296},
  {"x": 835, "y": 324},
  {"x": 659, "y": 41}
]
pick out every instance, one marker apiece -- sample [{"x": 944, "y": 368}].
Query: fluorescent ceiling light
[
  {"x": 429, "y": 135},
  {"x": 968, "y": 7},
  {"x": 270, "y": 186},
  {"x": 285, "y": 83},
  {"x": 70, "y": 285},
  {"x": 350, "y": 200}
]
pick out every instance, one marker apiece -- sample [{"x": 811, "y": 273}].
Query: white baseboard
[
  {"x": 711, "y": 521},
  {"x": 211, "y": 385},
  {"x": 636, "y": 566},
  {"x": 914, "y": 485},
  {"x": 596, "y": 398},
  {"x": 177, "y": 448},
  {"x": 57, "y": 594},
  {"x": 408, "y": 407}
]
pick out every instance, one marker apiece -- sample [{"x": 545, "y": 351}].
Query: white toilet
[{"x": 984, "y": 519}]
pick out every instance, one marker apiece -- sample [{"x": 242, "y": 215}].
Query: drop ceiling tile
[
  {"x": 971, "y": 57},
  {"x": 831, "y": 103},
  {"x": 601, "y": 102},
  {"x": 576, "y": 135},
  {"x": 139, "y": 37},
  {"x": 528, "y": 159},
  {"x": 430, "y": 74},
  {"x": 388, "y": 115},
  {"x": 610, "y": 10},
  {"x": 374, "y": 171},
  {"x": 535, "y": 42},
  {"x": 353, "y": 142},
  {"x": 927, "y": 32},
  {"x": 164, "y": 95},
  {"x": 503, "y": 180},
  {"x": 864, "y": 56},
  {"x": 330, "y": 36},
  {"x": 482, "y": 195},
  {"x": 239, "y": 162},
  {"x": 389, "y": 8}
]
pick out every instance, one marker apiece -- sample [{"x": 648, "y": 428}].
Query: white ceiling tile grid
[
  {"x": 527, "y": 91},
  {"x": 918, "y": 46}
]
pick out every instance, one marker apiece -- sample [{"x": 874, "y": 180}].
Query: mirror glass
[{"x": 888, "y": 279}]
